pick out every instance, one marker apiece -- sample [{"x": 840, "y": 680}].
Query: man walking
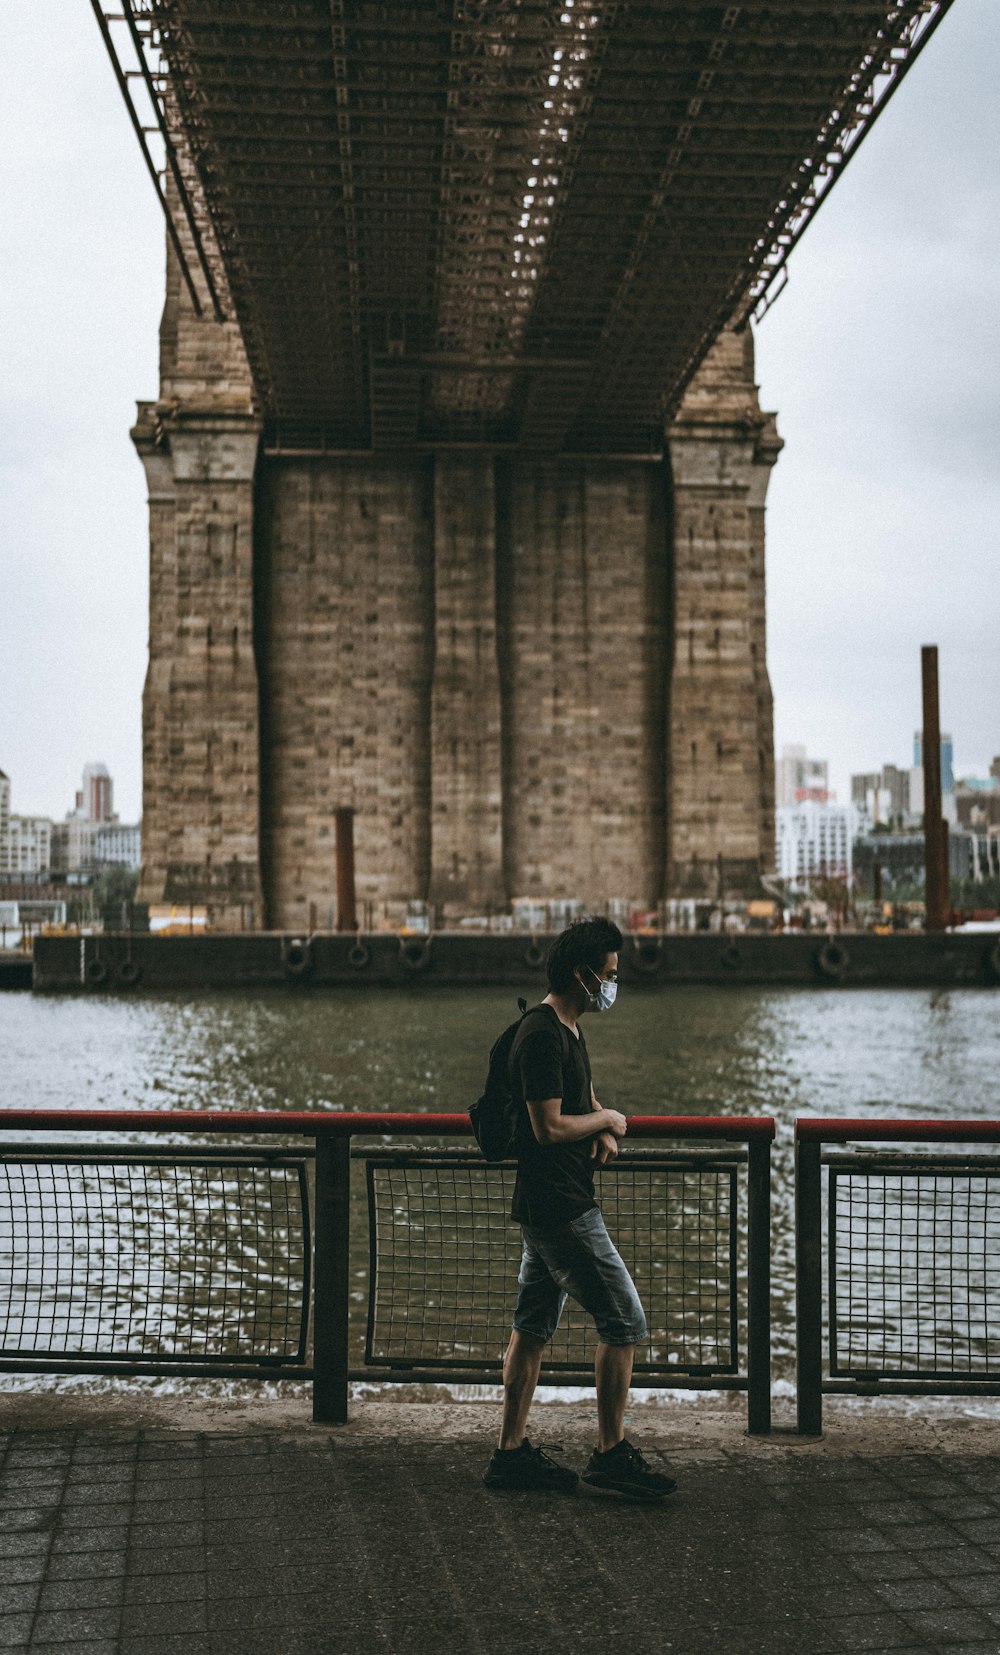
[{"x": 567, "y": 1250}]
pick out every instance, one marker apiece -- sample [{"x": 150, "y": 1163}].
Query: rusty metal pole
[
  {"x": 930, "y": 752},
  {"x": 347, "y": 907}
]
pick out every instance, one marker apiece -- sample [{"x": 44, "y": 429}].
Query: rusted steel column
[
  {"x": 347, "y": 908},
  {"x": 935, "y": 885}
]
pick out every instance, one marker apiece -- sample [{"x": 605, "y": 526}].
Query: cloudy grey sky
[{"x": 882, "y": 359}]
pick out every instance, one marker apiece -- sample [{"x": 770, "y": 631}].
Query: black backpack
[{"x": 497, "y": 1117}]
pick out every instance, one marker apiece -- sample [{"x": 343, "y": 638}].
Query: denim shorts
[{"x": 578, "y": 1261}]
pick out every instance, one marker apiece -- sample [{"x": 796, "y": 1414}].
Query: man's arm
[
  {"x": 605, "y": 1146},
  {"x": 551, "y": 1126}
]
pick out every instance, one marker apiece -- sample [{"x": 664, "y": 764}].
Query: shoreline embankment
[{"x": 121, "y": 963}]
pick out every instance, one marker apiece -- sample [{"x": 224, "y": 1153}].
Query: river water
[{"x": 662, "y": 1051}]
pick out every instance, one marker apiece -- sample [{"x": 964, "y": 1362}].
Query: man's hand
[
  {"x": 616, "y": 1122},
  {"x": 604, "y": 1148}
]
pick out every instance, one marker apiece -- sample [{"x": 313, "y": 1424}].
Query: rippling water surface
[{"x": 674, "y": 1051}]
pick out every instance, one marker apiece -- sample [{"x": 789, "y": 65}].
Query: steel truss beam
[{"x": 517, "y": 223}]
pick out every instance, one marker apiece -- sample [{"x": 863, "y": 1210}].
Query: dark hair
[{"x": 586, "y": 942}]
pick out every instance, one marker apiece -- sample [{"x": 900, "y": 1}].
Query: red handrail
[
  {"x": 839, "y": 1130},
  {"x": 340, "y": 1123}
]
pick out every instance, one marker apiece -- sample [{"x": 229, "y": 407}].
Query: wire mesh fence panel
[
  {"x": 166, "y": 1260},
  {"x": 914, "y": 1284},
  {"x": 676, "y": 1228},
  {"x": 445, "y": 1258}
]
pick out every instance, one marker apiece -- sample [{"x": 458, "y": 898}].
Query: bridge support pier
[
  {"x": 465, "y": 779},
  {"x": 201, "y": 789},
  {"x": 527, "y": 676},
  {"x": 721, "y": 781}
]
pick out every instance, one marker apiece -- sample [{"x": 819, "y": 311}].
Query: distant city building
[
  {"x": 799, "y": 779},
  {"x": 814, "y": 841},
  {"x": 896, "y": 783},
  {"x": 72, "y": 845},
  {"x": 973, "y": 855},
  {"x": 898, "y": 856},
  {"x": 885, "y": 795},
  {"x": 917, "y": 793},
  {"x": 977, "y": 802},
  {"x": 25, "y": 841},
  {"x": 947, "y": 759},
  {"x": 91, "y": 837},
  {"x": 95, "y": 801},
  {"x": 894, "y": 797},
  {"x": 29, "y": 846},
  {"x": 4, "y": 822},
  {"x": 916, "y": 798},
  {"x": 117, "y": 843}
]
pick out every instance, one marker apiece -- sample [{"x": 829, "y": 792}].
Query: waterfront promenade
[{"x": 182, "y": 1526}]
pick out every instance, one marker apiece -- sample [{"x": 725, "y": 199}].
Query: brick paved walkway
[{"x": 168, "y": 1543}]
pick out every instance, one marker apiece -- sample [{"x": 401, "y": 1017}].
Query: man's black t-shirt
[{"x": 555, "y": 1182}]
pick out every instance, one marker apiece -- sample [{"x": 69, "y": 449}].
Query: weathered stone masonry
[
  {"x": 528, "y": 677},
  {"x": 721, "y": 451}
]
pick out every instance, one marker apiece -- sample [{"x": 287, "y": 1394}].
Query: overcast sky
[{"x": 881, "y": 358}]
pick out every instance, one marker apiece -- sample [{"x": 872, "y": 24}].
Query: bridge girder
[{"x": 513, "y": 223}]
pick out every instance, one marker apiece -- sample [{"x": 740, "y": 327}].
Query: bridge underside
[
  {"x": 512, "y": 222},
  {"x": 457, "y": 470}
]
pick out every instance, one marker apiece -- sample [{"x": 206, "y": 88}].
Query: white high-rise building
[
  {"x": 25, "y": 841},
  {"x": 814, "y": 841},
  {"x": 29, "y": 846},
  {"x": 117, "y": 842}
]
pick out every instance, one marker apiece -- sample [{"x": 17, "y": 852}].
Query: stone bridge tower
[{"x": 529, "y": 677}]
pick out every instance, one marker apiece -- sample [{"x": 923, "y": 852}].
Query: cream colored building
[
  {"x": 29, "y": 846},
  {"x": 73, "y": 845}
]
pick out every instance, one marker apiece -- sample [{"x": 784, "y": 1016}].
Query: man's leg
[
  {"x": 615, "y": 1463},
  {"x": 585, "y": 1263},
  {"x": 613, "y": 1375},
  {"x": 521, "y": 1367},
  {"x": 515, "y": 1464}
]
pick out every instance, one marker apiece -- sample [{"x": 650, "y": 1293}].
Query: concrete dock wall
[{"x": 127, "y": 964}]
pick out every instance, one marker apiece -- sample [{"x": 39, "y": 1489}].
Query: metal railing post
[
  {"x": 759, "y": 1287},
  {"x": 331, "y": 1293},
  {"x": 809, "y": 1286}
]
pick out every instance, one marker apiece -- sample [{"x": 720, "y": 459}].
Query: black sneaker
[
  {"x": 624, "y": 1470},
  {"x": 528, "y": 1467}
]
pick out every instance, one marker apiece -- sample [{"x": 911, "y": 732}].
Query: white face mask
[{"x": 606, "y": 995}]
